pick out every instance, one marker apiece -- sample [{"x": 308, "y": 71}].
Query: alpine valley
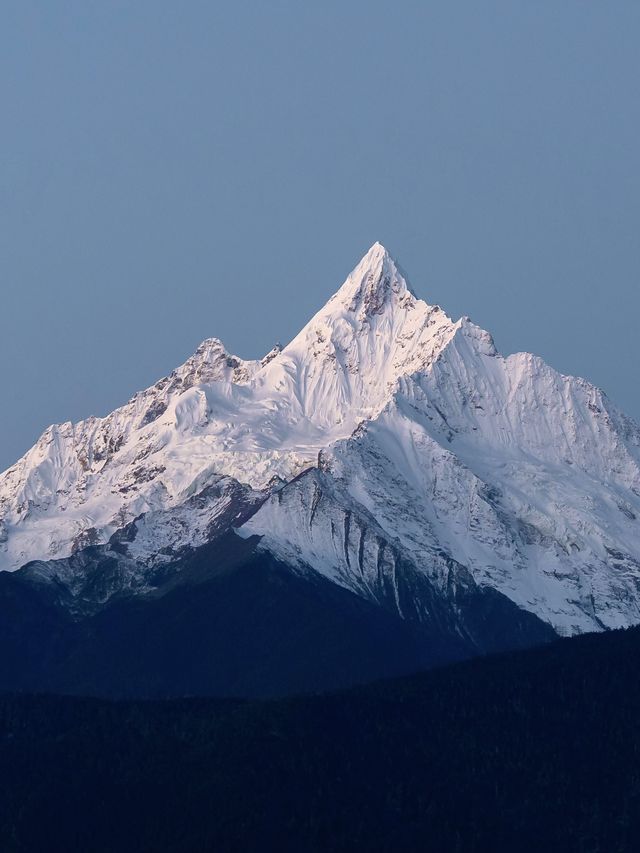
[{"x": 385, "y": 493}]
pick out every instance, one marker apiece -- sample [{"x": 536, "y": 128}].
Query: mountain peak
[
  {"x": 375, "y": 251},
  {"x": 374, "y": 284}
]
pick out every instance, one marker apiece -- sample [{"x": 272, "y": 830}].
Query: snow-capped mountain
[{"x": 384, "y": 439}]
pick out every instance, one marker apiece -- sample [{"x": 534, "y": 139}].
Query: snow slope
[{"x": 424, "y": 435}]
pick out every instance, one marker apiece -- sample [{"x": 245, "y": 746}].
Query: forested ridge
[{"x": 532, "y": 750}]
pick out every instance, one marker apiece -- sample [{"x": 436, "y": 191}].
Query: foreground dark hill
[
  {"x": 231, "y": 620},
  {"x": 534, "y": 750}
]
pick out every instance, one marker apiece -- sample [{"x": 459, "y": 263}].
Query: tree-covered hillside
[{"x": 534, "y": 750}]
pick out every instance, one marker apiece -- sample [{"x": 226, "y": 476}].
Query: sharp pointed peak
[
  {"x": 377, "y": 249},
  {"x": 377, "y": 280},
  {"x": 376, "y": 254}
]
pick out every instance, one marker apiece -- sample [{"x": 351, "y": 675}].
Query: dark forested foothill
[
  {"x": 535, "y": 750},
  {"x": 228, "y": 621}
]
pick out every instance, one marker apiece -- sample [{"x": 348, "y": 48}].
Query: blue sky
[{"x": 173, "y": 171}]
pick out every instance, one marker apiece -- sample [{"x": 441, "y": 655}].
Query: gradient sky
[{"x": 173, "y": 171}]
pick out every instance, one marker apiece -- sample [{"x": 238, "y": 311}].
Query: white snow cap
[{"x": 376, "y": 282}]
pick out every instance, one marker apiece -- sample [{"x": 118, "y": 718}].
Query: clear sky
[{"x": 172, "y": 171}]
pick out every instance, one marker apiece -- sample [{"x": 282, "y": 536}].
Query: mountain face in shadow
[{"x": 241, "y": 623}]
